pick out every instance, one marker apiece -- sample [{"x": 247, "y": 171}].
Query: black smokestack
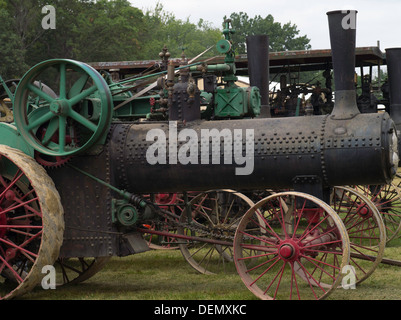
[
  {"x": 258, "y": 68},
  {"x": 393, "y": 58},
  {"x": 342, "y": 27}
]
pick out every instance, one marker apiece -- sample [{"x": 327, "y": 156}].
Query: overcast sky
[{"x": 376, "y": 20}]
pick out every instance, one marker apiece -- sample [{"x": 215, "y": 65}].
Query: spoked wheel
[
  {"x": 212, "y": 215},
  {"x": 171, "y": 202},
  {"x": 76, "y": 270},
  {"x": 387, "y": 199},
  {"x": 31, "y": 222},
  {"x": 298, "y": 252},
  {"x": 83, "y": 104},
  {"x": 365, "y": 229}
]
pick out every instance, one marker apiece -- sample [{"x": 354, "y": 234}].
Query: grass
[
  {"x": 153, "y": 275},
  {"x": 165, "y": 275}
]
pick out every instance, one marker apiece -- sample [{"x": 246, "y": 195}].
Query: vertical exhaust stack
[
  {"x": 393, "y": 58},
  {"x": 258, "y": 68},
  {"x": 342, "y": 27}
]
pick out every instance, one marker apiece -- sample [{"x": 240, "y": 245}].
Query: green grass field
[{"x": 165, "y": 275}]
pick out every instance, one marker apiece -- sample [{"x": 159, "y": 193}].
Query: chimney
[
  {"x": 393, "y": 58},
  {"x": 342, "y": 27},
  {"x": 258, "y": 69}
]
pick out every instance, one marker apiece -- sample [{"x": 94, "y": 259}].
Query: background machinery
[{"x": 86, "y": 156}]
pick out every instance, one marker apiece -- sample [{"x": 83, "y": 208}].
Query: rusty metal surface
[
  {"x": 284, "y": 149},
  {"x": 89, "y": 230}
]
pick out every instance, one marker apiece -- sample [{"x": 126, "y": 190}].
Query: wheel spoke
[
  {"x": 288, "y": 237},
  {"x": 81, "y": 96},
  {"x": 365, "y": 229},
  {"x": 40, "y": 93},
  {"x": 25, "y": 247},
  {"x": 78, "y": 86},
  {"x": 74, "y": 84},
  {"x": 50, "y": 131},
  {"x": 62, "y": 133},
  {"x": 211, "y": 216},
  {"x": 42, "y": 120},
  {"x": 82, "y": 120},
  {"x": 63, "y": 80}
]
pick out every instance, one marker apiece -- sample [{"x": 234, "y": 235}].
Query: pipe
[
  {"x": 342, "y": 28},
  {"x": 258, "y": 68},
  {"x": 393, "y": 58}
]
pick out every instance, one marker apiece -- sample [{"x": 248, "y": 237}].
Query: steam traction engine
[{"x": 77, "y": 180}]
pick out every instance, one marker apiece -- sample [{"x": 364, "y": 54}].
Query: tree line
[{"x": 115, "y": 30}]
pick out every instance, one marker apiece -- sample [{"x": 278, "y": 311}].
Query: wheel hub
[
  {"x": 364, "y": 211},
  {"x": 288, "y": 251},
  {"x": 59, "y": 107}
]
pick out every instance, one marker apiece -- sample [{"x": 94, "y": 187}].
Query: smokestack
[
  {"x": 258, "y": 69},
  {"x": 393, "y": 58},
  {"x": 342, "y": 27}
]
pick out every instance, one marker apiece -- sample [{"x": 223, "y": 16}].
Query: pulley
[{"x": 82, "y": 103}]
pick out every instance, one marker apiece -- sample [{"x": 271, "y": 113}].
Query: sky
[{"x": 377, "y": 20}]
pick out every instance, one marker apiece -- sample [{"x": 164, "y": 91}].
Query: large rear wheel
[{"x": 31, "y": 222}]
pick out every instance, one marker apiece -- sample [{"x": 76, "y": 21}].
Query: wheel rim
[
  {"x": 299, "y": 251},
  {"x": 387, "y": 199},
  {"x": 365, "y": 230},
  {"x": 32, "y": 223},
  {"x": 76, "y": 270},
  {"x": 83, "y": 101},
  {"x": 215, "y": 215}
]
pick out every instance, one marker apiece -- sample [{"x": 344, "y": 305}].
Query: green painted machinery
[{"x": 84, "y": 158}]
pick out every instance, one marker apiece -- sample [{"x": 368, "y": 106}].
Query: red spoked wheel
[
  {"x": 365, "y": 228},
  {"x": 31, "y": 222},
  {"x": 387, "y": 199},
  {"x": 213, "y": 215},
  {"x": 291, "y": 245},
  {"x": 170, "y": 202}
]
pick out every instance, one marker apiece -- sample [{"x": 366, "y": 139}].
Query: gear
[{"x": 54, "y": 161}]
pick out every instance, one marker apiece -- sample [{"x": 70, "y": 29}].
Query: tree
[
  {"x": 109, "y": 31},
  {"x": 161, "y": 29},
  {"x": 281, "y": 37},
  {"x": 12, "y": 52}
]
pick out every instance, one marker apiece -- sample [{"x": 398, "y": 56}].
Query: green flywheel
[{"x": 62, "y": 107}]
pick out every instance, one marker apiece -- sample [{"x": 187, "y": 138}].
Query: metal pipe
[
  {"x": 258, "y": 68},
  {"x": 342, "y": 28},
  {"x": 393, "y": 58}
]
